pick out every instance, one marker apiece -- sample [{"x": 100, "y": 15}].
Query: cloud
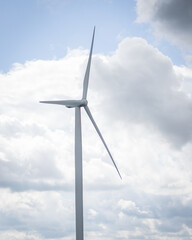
[
  {"x": 36, "y": 210},
  {"x": 144, "y": 87},
  {"x": 171, "y": 19},
  {"x": 130, "y": 208},
  {"x": 19, "y": 235},
  {"x": 142, "y": 105},
  {"x": 27, "y": 158}
]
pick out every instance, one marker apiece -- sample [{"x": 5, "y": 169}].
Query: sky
[{"x": 140, "y": 96}]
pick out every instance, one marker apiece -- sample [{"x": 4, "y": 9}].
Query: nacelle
[{"x": 76, "y": 103}]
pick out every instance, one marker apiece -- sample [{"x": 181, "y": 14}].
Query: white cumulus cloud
[{"x": 142, "y": 105}]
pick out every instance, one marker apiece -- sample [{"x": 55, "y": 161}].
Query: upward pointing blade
[
  {"x": 86, "y": 78},
  {"x": 98, "y": 131}
]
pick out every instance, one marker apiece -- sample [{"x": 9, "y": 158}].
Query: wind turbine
[{"x": 78, "y": 104}]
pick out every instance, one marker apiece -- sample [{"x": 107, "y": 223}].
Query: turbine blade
[
  {"x": 86, "y": 78},
  {"x": 67, "y": 103},
  {"x": 61, "y": 102},
  {"x": 99, "y": 133}
]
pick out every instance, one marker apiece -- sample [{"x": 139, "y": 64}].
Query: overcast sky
[{"x": 140, "y": 96}]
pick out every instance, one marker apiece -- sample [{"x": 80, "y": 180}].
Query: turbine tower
[{"x": 78, "y": 104}]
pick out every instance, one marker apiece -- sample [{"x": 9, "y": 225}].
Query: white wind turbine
[{"x": 77, "y": 104}]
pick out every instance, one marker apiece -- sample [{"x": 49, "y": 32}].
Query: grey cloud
[
  {"x": 47, "y": 214},
  {"x": 167, "y": 214},
  {"x": 172, "y": 19},
  {"x": 177, "y": 14},
  {"x": 27, "y": 159},
  {"x": 28, "y": 154},
  {"x": 174, "y": 212},
  {"x": 17, "y": 178}
]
